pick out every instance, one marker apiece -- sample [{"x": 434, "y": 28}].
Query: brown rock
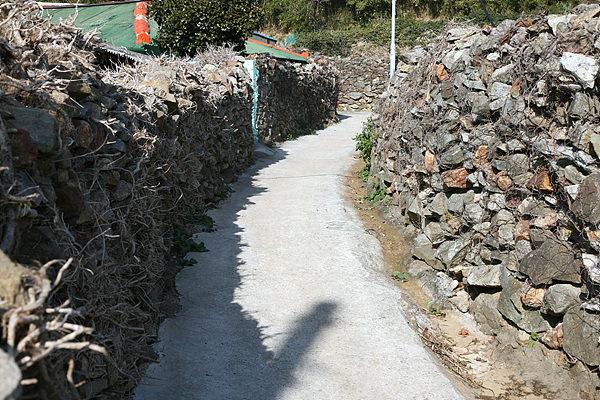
[
  {"x": 503, "y": 181},
  {"x": 24, "y": 150},
  {"x": 532, "y": 297},
  {"x": 522, "y": 231},
  {"x": 429, "y": 161},
  {"x": 441, "y": 72},
  {"x": 84, "y": 136},
  {"x": 455, "y": 178},
  {"x": 540, "y": 181},
  {"x": 553, "y": 337},
  {"x": 515, "y": 89},
  {"x": 480, "y": 156}
]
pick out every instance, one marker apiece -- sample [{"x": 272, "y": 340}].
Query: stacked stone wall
[
  {"x": 490, "y": 148},
  {"x": 294, "y": 98},
  {"x": 99, "y": 166},
  {"x": 363, "y": 75}
]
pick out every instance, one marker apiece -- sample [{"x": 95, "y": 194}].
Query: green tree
[{"x": 186, "y": 26}]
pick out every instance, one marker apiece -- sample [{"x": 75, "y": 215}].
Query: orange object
[
  {"x": 463, "y": 332},
  {"x": 140, "y": 25}
]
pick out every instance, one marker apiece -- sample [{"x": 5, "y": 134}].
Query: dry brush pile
[
  {"x": 491, "y": 149},
  {"x": 97, "y": 166}
]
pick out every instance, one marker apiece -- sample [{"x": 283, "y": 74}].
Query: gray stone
[
  {"x": 452, "y": 157},
  {"x": 122, "y": 191},
  {"x": 514, "y": 145},
  {"x": 443, "y": 286},
  {"x": 500, "y": 165},
  {"x": 483, "y": 228},
  {"x": 581, "y": 335},
  {"x": 503, "y": 217},
  {"x": 592, "y": 267},
  {"x": 39, "y": 123},
  {"x": 555, "y": 20},
  {"x": 455, "y": 203},
  {"x": 506, "y": 234},
  {"x": 461, "y": 300},
  {"x": 485, "y": 310},
  {"x": 503, "y": 74},
  {"x": 580, "y": 136},
  {"x": 497, "y": 202},
  {"x": 595, "y": 145},
  {"x": 455, "y": 34},
  {"x": 437, "y": 183},
  {"x": 499, "y": 91},
  {"x": 355, "y": 96},
  {"x": 512, "y": 262},
  {"x": 413, "y": 56},
  {"x": 454, "y": 57},
  {"x": 533, "y": 208},
  {"x": 473, "y": 213},
  {"x": 587, "y": 204},
  {"x": 434, "y": 232},
  {"x": 484, "y": 275},
  {"x": 418, "y": 268},
  {"x": 540, "y": 236},
  {"x": 573, "y": 175},
  {"x": 517, "y": 164},
  {"x": 423, "y": 249},
  {"x": 452, "y": 252},
  {"x": 584, "y": 68},
  {"x": 552, "y": 261},
  {"x": 511, "y": 307},
  {"x": 438, "y": 206},
  {"x": 480, "y": 106},
  {"x": 580, "y": 106},
  {"x": 476, "y": 85},
  {"x": 558, "y": 299},
  {"x": 522, "y": 248},
  {"x": 10, "y": 377}
]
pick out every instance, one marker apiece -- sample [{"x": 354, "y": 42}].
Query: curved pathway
[{"x": 290, "y": 302}]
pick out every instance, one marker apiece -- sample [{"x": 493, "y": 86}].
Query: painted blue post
[{"x": 250, "y": 66}]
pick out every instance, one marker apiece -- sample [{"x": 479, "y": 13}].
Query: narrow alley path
[{"x": 290, "y": 302}]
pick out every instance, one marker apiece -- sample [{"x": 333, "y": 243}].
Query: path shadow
[{"x": 214, "y": 349}]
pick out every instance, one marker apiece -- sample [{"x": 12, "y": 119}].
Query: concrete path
[{"x": 290, "y": 302}]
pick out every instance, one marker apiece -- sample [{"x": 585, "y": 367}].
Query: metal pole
[
  {"x": 393, "y": 44},
  {"x": 487, "y": 13}
]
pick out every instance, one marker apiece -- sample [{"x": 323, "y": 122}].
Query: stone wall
[
  {"x": 490, "y": 148},
  {"x": 363, "y": 75},
  {"x": 98, "y": 166},
  {"x": 294, "y": 98}
]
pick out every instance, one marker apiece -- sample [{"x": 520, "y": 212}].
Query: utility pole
[{"x": 393, "y": 44}]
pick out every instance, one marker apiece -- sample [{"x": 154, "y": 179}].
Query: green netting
[{"x": 115, "y": 23}]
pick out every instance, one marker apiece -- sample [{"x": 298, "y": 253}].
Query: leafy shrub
[
  {"x": 185, "y": 26},
  {"x": 364, "y": 144}
]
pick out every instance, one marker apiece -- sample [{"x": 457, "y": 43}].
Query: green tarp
[
  {"x": 256, "y": 48},
  {"x": 114, "y": 22}
]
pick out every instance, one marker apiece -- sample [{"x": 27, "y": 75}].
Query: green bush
[
  {"x": 186, "y": 26},
  {"x": 409, "y": 32}
]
